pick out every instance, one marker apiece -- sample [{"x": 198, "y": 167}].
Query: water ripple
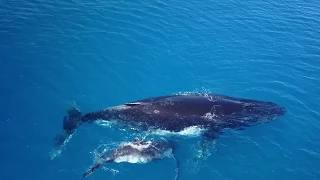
[{"x": 107, "y": 52}]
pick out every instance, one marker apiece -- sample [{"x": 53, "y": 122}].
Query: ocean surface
[{"x": 104, "y": 53}]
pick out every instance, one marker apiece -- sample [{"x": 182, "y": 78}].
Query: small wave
[{"x": 203, "y": 91}]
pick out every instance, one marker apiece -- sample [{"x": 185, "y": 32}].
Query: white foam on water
[
  {"x": 141, "y": 159},
  {"x": 133, "y": 159},
  {"x": 189, "y": 131},
  {"x": 139, "y": 147},
  {"x": 196, "y": 91}
]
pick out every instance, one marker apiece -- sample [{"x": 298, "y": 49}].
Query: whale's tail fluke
[{"x": 70, "y": 122}]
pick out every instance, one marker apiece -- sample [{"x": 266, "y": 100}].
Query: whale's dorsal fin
[{"x": 133, "y": 103}]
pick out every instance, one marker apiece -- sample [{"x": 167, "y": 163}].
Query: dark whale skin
[{"x": 177, "y": 112}]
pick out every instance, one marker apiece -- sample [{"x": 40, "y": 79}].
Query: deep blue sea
[{"x": 105, "y": 53}]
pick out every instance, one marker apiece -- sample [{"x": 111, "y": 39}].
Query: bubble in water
[{"x": 113, "y": 171}]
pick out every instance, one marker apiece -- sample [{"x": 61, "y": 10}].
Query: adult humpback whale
[{"x": 177, "y": 112}]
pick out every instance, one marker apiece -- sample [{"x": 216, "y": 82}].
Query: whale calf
[
  {"x": 212, "y": 112},
  {"x": 136, "y": 152}
]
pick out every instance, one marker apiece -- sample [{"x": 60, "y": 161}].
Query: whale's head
[
  {"x": 268, "y": 109},
  {"x": 262, "y": 112}
]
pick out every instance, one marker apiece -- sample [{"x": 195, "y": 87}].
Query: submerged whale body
[
  {"x": 177, "y": 112},
  {"x": 136, "y": 152}
]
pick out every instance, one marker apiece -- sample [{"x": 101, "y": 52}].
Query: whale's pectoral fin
[
  {"x": 97, "y": 165},
  {"x": 91, "y": 170},
  {"x": 70, "y": 122},
  {"x": 206, "y": 144}
]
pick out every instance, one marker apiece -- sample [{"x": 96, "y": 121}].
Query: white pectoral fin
[{"x": 206, "y": 144}]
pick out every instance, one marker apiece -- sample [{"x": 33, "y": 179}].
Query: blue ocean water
[{"x": 104, "y": 53}]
